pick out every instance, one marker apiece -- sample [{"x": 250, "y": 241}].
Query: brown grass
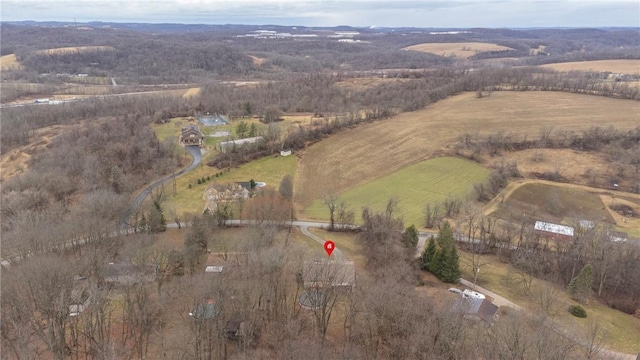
[
  {"x": 191, "y": 92},
  {"x": 552, "y": 202},
  {"x": 9, "y": 62},
  {"x": 572, "y": 164},
  {"x": 16, "y": 161},
  {"x": 622, "y": 329},
  {"x": 362, "y": 83},
  {"x": 461, "y": 50},
  {"x": 616, "y": 66},
  {"x": 594, "y": 201},
  {"x": 75, "y": 49},
  {"x": 356, "y": 156},
  {"x": 257, "y": 61}
]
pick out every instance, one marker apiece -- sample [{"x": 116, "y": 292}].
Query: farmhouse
[
  {"x": 553, "y": 231},
  {"x": 235, "y": 144},
  {"x": 191, "y": 136},
  {"x": 325, "y": 273},
  {"x": 218, "y": 193}
]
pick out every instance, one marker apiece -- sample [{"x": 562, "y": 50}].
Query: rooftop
[{"x": 554, "y": 228}]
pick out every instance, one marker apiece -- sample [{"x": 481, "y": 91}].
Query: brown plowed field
[{"x": 367, "y": 152}]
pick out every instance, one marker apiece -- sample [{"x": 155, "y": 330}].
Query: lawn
[
  {"x": 189, "y": 200},
  {"x": 428, "y": 181},
  {"x": 622, "y": 330}
]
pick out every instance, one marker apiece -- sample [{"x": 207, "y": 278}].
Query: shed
[
  {"x": 230, "y": 145},
  {"x": 475, "y": 308},
  {"x": 553, "y": 231},
  {"x": 285, "y": 152}
]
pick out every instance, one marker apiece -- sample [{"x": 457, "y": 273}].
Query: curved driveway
[{"x": 197, "y": 158}]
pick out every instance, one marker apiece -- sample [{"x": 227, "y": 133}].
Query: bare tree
[{"x": 332, "y": 203}]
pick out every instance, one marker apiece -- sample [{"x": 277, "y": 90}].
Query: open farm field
[
  {"x": 191, "y": 92},
  {"x": 75, "y": 49},
  {"x": 357, "y": 156},
  {"x": 461, "y": 50},
  {"x": 430, "y": 181},
  {"x": 571, "y": 165},
  {"x": 9, "y": 62},
  {"x": 531, "y": 200},
  {"x": 552, "y": 203},
  {"x": 621, "y": 330},
  {"x": 615, "y": 66}
]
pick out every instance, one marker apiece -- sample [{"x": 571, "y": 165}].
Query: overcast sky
[{"x": 387, "y": 13}]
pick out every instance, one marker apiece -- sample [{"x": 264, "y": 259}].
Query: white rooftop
[
  {"x": 213, "y": 269},
  {"x": 554, "y": 228}
]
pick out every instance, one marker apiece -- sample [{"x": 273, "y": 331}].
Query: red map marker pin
[{"x": 329, "y": 246}]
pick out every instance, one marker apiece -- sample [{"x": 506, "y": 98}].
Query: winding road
[{"x": 197, "y": 158}]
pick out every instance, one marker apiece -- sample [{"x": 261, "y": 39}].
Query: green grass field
[
  {"x": 189, "y": 200},
  {"x": 428, "y": 181}
]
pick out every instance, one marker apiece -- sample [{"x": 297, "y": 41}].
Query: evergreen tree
[
  {"x": 580, "y": 286},
  {"x": 441, "y": 256},
  {"x": 410, "y": 238},
  {"x": 157, "y": 220},
  {"x": 253, "y": 130},
  {"x": 428, "y": 254},
  {"x": 449, "y": 266}
]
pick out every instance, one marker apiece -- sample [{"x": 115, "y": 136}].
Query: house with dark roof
[
  {"x": 475, "y": 309},
  {"x": 191, "y": 136}
]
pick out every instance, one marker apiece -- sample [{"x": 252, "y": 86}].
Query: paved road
[
  {"x": 337, "y": 254},
  {"x": 197, "y": 158}
]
